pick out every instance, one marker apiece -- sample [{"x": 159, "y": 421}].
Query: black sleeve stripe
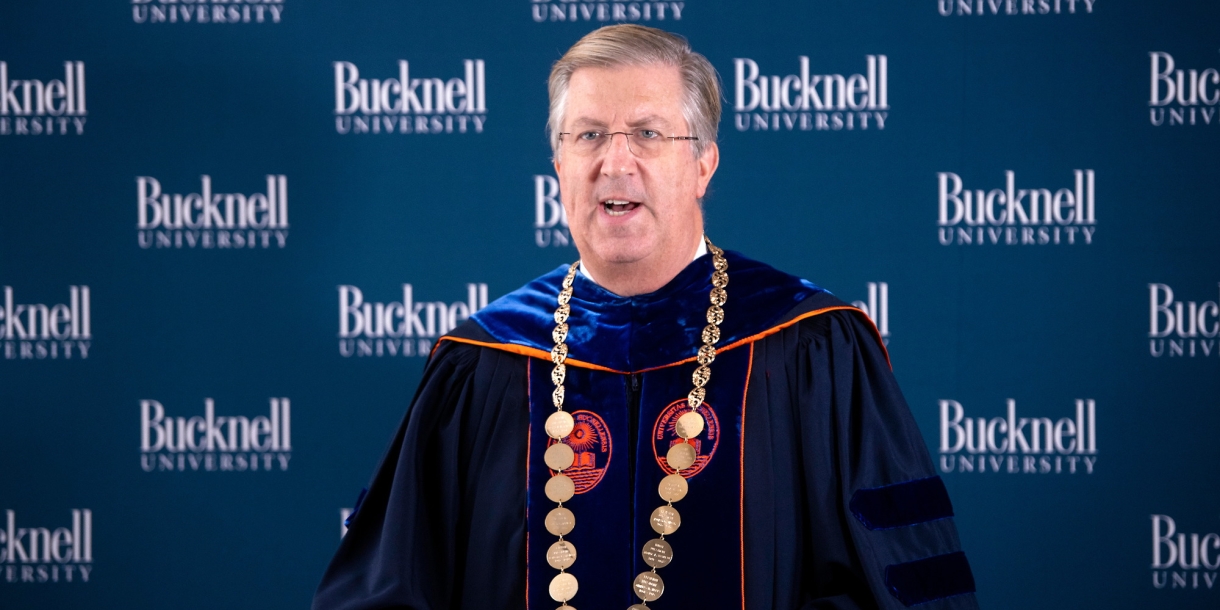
[
  {"x": 902, "y": 504},
  {"x": 926, "y": 580}
]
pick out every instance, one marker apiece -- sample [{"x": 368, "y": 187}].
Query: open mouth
[{"x": 619, "y": 207}]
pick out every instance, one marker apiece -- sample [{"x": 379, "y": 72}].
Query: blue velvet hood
[{"x": 631, "y": 334}]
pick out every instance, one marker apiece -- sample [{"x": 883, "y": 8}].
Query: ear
[{"x": 707, "y": 164}]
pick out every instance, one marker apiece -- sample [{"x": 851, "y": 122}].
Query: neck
[{"x": 641, "y": 277}]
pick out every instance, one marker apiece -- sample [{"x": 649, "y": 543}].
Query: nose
[{"x": 618, "y": 160}]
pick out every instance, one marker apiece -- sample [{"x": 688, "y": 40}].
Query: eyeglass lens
[{"x": 644, "y": 143}]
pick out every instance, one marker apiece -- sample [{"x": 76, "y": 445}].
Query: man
[{"x": 664, "y": 422}]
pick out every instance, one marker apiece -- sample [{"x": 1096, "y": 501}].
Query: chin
[{"x": 622, "y": 251}]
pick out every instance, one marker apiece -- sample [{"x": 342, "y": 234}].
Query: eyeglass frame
[{"x": 627, "y": 136}]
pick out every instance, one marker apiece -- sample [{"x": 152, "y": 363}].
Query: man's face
[{"x": 623, "y": 209}]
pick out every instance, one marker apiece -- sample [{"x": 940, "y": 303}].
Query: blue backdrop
[{"x": 230, "y": 235}]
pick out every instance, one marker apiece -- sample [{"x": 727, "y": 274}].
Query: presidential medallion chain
[{"x": 665, "y": 520}]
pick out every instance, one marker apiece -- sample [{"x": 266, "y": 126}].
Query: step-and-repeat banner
[{"x": 232, "y": 230}]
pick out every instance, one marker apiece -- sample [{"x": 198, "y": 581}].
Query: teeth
[{"x": 617, "y": 207}]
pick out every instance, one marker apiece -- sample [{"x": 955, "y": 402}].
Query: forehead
[{"x": 626, "y": 93}]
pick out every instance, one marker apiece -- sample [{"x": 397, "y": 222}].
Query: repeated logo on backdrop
[
  {"x": 47, "y": 555},
  {"x": 1013, "y": 7},
  {"x": 1010, "y": 444},
  {"x": 208, "y": 220},
  {"x": 1183, "y": 560},
  {"x": 1181, "y": 329},
  {"x": 41, "y": 331},
  {"x": 421, "y": 71},
  {"x": 400, "y": 328},
  {"x": 605, "y": 12},
  {"x": 34, "y": 107},
  {"x": 1010, "y": 216},
  {"x": 1182, "y": 96},
  {"x": 207, "y": 11},
  {"x": 215, "y": 443},
  {"x": 877, "y": 308},
  {"x": 550, "y": 219},
  {"x": 810, "y": 102},
  {"x": 402, "y": 104}
]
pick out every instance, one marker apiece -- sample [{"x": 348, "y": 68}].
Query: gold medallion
[
  {"x": 657, "y": 553},
  {"x": 559, "y": 456},
  {"x": 559, "y": 425},
  {"x": 665, "y": 520},
  {"x": 560, "y": 488},
  {"x": 563, "y": 587},
  {"x": 561, "y": 555},
  {"x": 680, "y": 456},
  {"x": 649, "y": 586},
  {"x": 560, "y": 521},
  {"x": 672, "y": 488},
  {"x": 689, "y": 425}
]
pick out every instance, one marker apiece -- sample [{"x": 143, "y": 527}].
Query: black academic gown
[{"x": 813, "y": 486}]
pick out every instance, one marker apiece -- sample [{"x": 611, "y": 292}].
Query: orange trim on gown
[{"x": 534, "y": 352}]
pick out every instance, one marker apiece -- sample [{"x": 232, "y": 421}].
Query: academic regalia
[{"x": 813, "y": 486}]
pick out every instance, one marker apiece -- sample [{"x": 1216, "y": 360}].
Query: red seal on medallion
[
  {"x": 590, "y": 442},
  {"x": 665, "y": 436}
]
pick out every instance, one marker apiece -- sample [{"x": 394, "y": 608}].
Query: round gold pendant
[
  {"x": 561, "y": 555},
  {"x": 672, "y": 488},
  {"x": 665, "y": 520},
  {"x": 560, "y": 521},
  {"x": 680, "y": 456},
  {"x": 689, "y": 425},
  {"x": 657, "y": 553},
  {"x": 649, "y": 586},
  {"x": 563, "y": 587},
  {"x": 558, "y": 456},
  {"x": 559, "y": 425},
  {"x": 560, "y": 488}
]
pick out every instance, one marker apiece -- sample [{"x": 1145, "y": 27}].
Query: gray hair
[{"x": 636, "y": 45}]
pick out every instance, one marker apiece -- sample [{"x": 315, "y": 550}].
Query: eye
[
  {"x": 588, "y": 136},
  {"x": 648, "y": 134}
]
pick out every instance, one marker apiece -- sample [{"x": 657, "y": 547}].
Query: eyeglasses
[{"x": 643, "y": 143}]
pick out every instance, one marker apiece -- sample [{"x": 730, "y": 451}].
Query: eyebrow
[{"x": 648, "y": 120}]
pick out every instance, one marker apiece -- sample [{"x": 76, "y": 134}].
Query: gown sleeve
[
  {"x": 442, "y": 524},
  {"x": 881, "y": 530}
]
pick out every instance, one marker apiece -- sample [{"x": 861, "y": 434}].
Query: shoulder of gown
[
  {"x": 442, "y": 523},
  {"x": 834, "y": 425}
]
